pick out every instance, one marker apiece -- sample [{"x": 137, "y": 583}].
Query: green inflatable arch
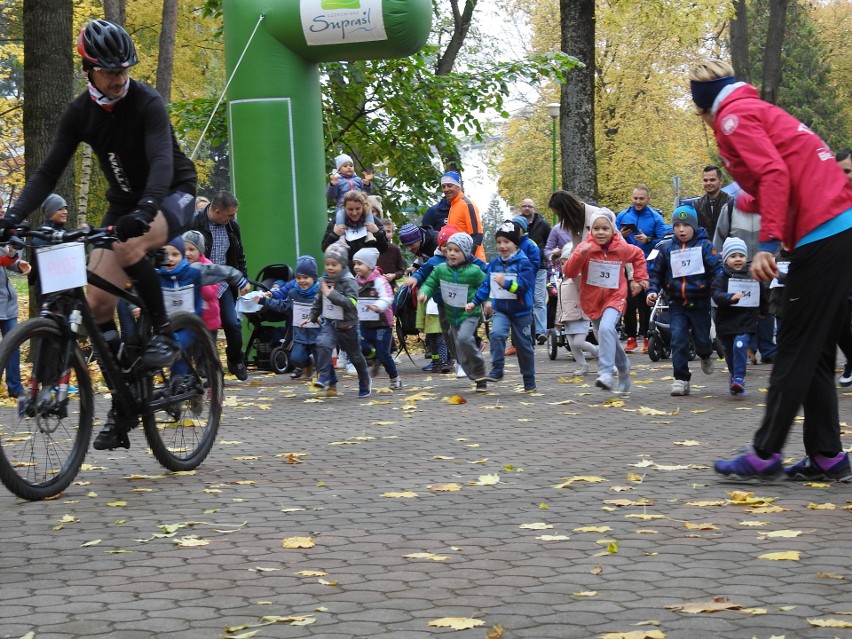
[{"x": 278, "y": 168}]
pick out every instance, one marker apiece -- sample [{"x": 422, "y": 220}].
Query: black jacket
[
  {"x": 235, "y": 256},
  {"x": 380, "y": 243},
  {"x": 538, "y": 231},
  {"x": 708, "y": 212},
  {"x": 732, "y": 319}
]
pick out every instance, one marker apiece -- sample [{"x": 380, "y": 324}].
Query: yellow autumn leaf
[
  {"x": 645, "y": 410},
  {"x": 69, "y": 519},
  {"x": 702, "y": 526},
  {"x": 384, "y": 423},
  {"x": 539, "y": 525},
  {"x": 444, "y": 488},
  {"x": 629, "y": 502},
  {"x": 644, "y": 463},
  {"x": 830, "y": 623},
  {"x": 455, "y": 399},
  {"x": 688, "y": 442},
  {"x": 830, "y": 575},
  {"x": 326, "y": 582},
  {"x": 494, "y": 632},
  {"x": 293, "y": 620},
  {"x": 593, "y": 529},
  {"x": 585, "y": 593},
  {"x": 715, "y": 605},
  {"x": 298, "y": 542},
  {"x": 191, "y": 541},
  {"x": 816, "y": 484},
  {"x": 743, "y": 498},
  {"x": 488, "y": 480},
  {"x": 456, "y": 623},
  {"x": 644, "y": 516},
  {"x": 401, "y": 495},
  {"x": 762, "y": 510},
  {"x": 755, "y": 524},
  {"x": 753, "y": 611},
  {"x": 789, "y": 555},
  {"x": 826, "y": 506},
  {"x": 586, "y": 478},
  {"x": 780, "y": 533},
  {"x": 700, "y": 410},
  {"x": 94, "y": 542},
  {"x": 702, "y": 504},
  {"x": 426, "y": 555},
  {"x": 311, "y": 573},
  {"x": 116, "y": 504},
  {"x": 553, "y": 537}
]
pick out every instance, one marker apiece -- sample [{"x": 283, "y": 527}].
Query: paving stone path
[{"x": 640, "y": 523}]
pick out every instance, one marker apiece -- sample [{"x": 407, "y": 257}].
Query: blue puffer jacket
[
  {"x": 691, "y": 288},
  {"x": 295, "y": 295},
  {"x": 520, "y": 280}
]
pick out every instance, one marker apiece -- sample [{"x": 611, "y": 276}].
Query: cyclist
[{"x": 151, "y": 191}]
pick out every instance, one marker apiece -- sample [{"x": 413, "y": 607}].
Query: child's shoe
[
  {"x": 331, "y": 391},
  {"x": 482, "y": 386},
  {"x": 448, "y": 367},
  {"x": 835, "y": 468},
  {"x": 296, "y": 374},
  {"x": 581, "y": 371},
  {"x": 365, "y": 391},
  {"x": 351, "y": 370},
  {"x": 494, "y": 376},
  {"x": 460, "y": 371},
  {"x": 749, "y": 465},
  {"x": 708, "y": 365},
  {"x": 318, "y": 384},
  {"x": 396, "y": 383},
  {"x": 342, "y": 361},
  {"x": 680, "y": 387},
  {"x": 529, "y": 387},
  {"x": 604, "y": 381},
  {"x": 737, "y": 386}
]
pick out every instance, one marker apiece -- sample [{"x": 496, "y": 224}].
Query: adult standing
[
  {"x": 463, "y": 214},
  {"x": 538, "y": 231},
  {"x": 223, "y": 245},
  {"x": 641, "y": 225},
  {"x": 435, "y": 216},
  {"x": 805, "y": 203},
  {"x": 709, "y": 206},
  {"x": 151, "y": 189}
]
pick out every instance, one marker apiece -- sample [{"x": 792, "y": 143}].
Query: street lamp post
[{"x": 553, "y": 112}]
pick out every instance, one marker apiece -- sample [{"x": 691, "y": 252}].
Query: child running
[
  {"x": 571, "y": 319},
  {"x": 508, "y": 292},
  {"x": 337, "y": 305},
  {"x": 298, "y": 296},
  {"x": 740, "y": 299},
  {"x": 601, "y": 260},
  {"x": 375, "y": 315},
  {"x": 685, "y": 268},
  {"x": 457, "y": 279}
]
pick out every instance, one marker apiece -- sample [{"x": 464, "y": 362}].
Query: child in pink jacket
[
  {"x": 194, "y": 242},
  {"x": 600, "y": 261}
]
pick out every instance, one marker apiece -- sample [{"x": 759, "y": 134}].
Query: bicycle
[{"x": 45, "y": 436}]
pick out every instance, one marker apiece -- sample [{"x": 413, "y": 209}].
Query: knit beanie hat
[
  {"x": 367, "y": 255},
  {"x": 511, "y": 230},
  {"x": 409, "y": 234},
  {"x": 196, "y": 238},
  {"x": 566, "y": 251},
  {"x": 685, "y": 214},
  {"x": 177, "y": 242},
  {"x": 464, "y": 242},
  {"x": 521, "y": 221},
  {"x": 306, "y": 265},
  {"x": 376, "y": 203},
  {"x": 52, "y": 203},
  {"x": 733, "y": 245},
  {"x": 338, "y": 251},
  {"x": 605, "y": 214},
  {"x": 342, "y": 159},
  {"x": 445, "y": 233},
  {"x": 451, "y": 177}
]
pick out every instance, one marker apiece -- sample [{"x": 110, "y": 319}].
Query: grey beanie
[
  {"x": 52, "y": 203},
  {"x": 733, "y": 245},
  {"x": 196, "y": 238}
]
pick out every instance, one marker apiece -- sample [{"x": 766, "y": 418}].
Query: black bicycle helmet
[{"x": 106, "y": 45}]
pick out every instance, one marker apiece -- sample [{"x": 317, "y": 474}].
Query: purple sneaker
[
  {"x": 749, "y": 466},
  {"x": 820, "y": 467}
]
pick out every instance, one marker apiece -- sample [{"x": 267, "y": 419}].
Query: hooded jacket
[
  {"x": 344, "y": 294},
  {"x": 467, "y": 274},
  {"x": 193, "y": 277},
  {"x": 731, "y": 318},
  {"x": 295, "y": 295},
  {"x": 378, "y": 290},
  {"x": 691, "y": 288},
  {"x": 520, "y": 281}
]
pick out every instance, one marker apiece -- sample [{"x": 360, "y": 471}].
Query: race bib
[
  {"x": 750, "y": 290},
  {"x": 331, "y": 311},
  {"x": 454, "y": 294},
  {"x": 364, "y": 313},
  {"x": 500, "y": 293},
  {"x": 179, "y": 300},
  {"x": 604, "y": 274},
  {"x": 353, "y": 234},
  {"x": 687, "y": 261},
  {"x": 302, "y": 313}
]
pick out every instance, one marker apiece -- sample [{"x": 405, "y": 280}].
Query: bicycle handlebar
[{"x": 86, "y": 232}]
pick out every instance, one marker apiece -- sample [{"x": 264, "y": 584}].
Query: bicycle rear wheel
[
  {"x": 182, "y": 432},
  {"x": 43, "y": 441}
]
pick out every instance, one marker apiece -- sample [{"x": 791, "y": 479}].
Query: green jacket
[{"x": 467, "y": 274}]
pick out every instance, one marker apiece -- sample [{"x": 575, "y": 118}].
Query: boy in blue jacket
[
  {"x": 685, "y": 267},
  {"x": 508, "y": 291}
]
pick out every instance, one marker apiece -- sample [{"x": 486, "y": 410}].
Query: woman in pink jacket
[{"x": 600, "y": 261}]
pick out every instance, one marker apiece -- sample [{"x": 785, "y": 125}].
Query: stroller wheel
[
  {"x": 655, "y": 349},
  {"x": 552, "y": 344},
  {"x": 279, "y": 361}
]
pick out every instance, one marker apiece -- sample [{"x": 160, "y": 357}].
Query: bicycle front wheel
[
  {"x": 43, "y": 436},
  {"x": 182, "y": 427}
]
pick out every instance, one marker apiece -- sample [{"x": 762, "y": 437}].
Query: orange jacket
[{"x": 465, "y": 215}]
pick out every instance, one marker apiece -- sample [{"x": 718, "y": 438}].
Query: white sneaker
[
  {"x": 846, "y": 378},
  {"x": 708, "y": 365},
  {"x": 396, "y": 383},
  {"x": 342, "y": 362},
  {"x": 350, "y": 369},
  {"x": 680, "y": 388},
  {"x": 460, "y": 371},
  {"x": 581, "y": 371}
]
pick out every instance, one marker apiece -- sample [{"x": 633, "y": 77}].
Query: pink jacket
[
  {"x": 210, "y": 302},
  {"x": 595, "y": 299},
  {"x": 789, "y": 170}
]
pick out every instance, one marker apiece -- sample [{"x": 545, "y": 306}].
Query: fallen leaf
[
  {"x": 540, "y": 525},
  {"x": 598, "y": 569},
  {"x": 644, "y": 516},
  {"x": 402, "y": 495},
  {"x": 494, "y": 632},
  {"x": 780, "y": 533},
  {"x": 754, "y": 524},
  {"x": 585, "y": 478},
  {"x": 553, "y": 537},
  {"x": 444, "y": 488},
  {"x": 743, "y": 498},
  {"x": 635, "y": 634},
  {"x": 191, "y": 541},
  {"x": 753, "y": 611},
  {"x": 311, "y": 573},
  {"x": 298, "y": 542},
  {"x": 585, "y": 593},
  {"x": 116, "y": 504},
  {"x": 705, "y": 526},
  {"x": 715, "y": 605},
  {"x": 688, "y": 442},
  {"x": 455, "y": 399},
  {"x": 293, "y": 620},
  {"x": 94, "y": 542},
  {"x": 593, "y": 529},
  {"x": 813, "y": 506},
  {"x": 629, "y": 502},
  {"x": 488, "y": 480},
  {"x": 702, "y": 504},
  {"x": 426, "y": 555},
  {"x": 829, "y": 575},
  {"x": 456, "y": 623},
  {"x": 790, "y": 555},
  {"x": 830, "y": 623}
]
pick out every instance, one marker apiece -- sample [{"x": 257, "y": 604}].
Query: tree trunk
[
  {"x": 48, "y": 86},
  {"x": 577, "y": 122},
  {"x": 165, "y": 62},
  {"x": 85, "y": 183},
  {"x": 115, "y": 11},
  {"x": 739, "y": 42},
  {"x": 772, "y": 53}
]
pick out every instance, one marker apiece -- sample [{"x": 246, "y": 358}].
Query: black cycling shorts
[{"x": 178, "y": 207}]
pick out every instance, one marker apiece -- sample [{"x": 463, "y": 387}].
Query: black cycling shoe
[
  {"x": 162, "y": 351},
  {"x": 111, "y": 436}
]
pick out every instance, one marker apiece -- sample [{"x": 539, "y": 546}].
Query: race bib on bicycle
[
  {"x": 179, "y": 300},
  {"x": 688, "y": 261},
  {"x": 604, "y": 274},
  {"x": 750, "y": 290},
  {"x": 61, "y": 267},
  {"x": 302, "y": 313},
  {"x": 454, "y": 295}
]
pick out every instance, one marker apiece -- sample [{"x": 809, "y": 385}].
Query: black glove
[
  {"x": 137, "y": 222},
  {"x": 8, "y": 221}
]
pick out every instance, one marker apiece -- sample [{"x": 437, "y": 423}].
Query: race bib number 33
[{"x": 604, "y": 274}]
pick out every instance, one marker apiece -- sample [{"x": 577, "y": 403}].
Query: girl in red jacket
[{"x": 600, "y": 261}]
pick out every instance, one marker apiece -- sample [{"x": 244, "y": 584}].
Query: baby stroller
[
  {"x": 556, "y": 337},
  {"x": 268, "y": 347},
  {"x": 660, "y": 333}
]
